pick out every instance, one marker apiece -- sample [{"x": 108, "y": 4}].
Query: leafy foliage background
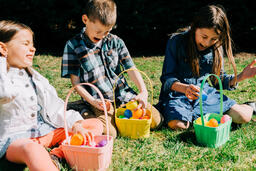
[{"x": 143, "y": 24}]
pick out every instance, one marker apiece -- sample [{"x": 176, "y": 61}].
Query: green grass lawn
[{"x": 167, "y": 149}]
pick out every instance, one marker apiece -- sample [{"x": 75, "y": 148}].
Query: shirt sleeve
[
  {"x": 169, "y": 67},
  {"x": 7, "y": 90},
  {"x": 70, "y": 62},
  {"x": 124, "y": 55},
  {"x": 54, "y": 106}
]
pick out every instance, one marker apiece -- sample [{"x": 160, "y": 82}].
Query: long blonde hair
[{"x": 212, "y": 16}]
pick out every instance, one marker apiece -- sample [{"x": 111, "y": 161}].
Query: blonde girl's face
[
  {"x": 205, "y": 38},
  {"x": 20, "y": 49}
]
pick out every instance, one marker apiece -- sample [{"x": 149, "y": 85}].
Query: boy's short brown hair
[{"x": 102, "y": 10}]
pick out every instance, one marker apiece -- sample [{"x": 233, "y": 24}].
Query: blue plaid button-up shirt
[{"x": 99, "y": 64}]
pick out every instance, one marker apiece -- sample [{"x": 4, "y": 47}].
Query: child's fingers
[
  {"x": 139, "y": 106},
  {"x": 195, "y": 88},
  {"x": 192, "y": 97},
  {"x": 108, "y": 104},
  {"x": 195, "y": 94},
  {"x": 89, "y": 137}
]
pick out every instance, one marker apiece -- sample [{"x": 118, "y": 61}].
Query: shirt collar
[{"x": 87, "y": 40}]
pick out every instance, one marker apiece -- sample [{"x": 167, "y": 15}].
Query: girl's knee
[
  {"x": 177, "y": 124},
  {"x": 31, "y": 147}
]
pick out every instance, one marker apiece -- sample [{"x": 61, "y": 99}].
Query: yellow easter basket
[
  {"x": 133, "y": 128},
  {"x": 82, "y": 158}
]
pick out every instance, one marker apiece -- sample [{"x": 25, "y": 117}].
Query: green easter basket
[{"x": 212, "y": 136}]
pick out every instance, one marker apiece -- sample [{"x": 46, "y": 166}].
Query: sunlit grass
[{"x": 167, "y": 149}]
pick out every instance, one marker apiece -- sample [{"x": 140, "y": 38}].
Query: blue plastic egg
[{"x": 128, "y": 113}]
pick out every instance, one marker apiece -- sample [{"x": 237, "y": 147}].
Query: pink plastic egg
[{"x": 224, "y": 118}]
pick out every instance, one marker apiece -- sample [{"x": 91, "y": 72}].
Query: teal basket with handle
[{"x": 212, "y": 136}]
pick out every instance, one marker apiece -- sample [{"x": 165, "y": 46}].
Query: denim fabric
[{"x": 176, "y": 106}]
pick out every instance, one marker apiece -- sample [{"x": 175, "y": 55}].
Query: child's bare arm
[
  {"x": 191, "y": 91},
  {"x": 248, "y": 72},
  {"x": 142, "y": 97}
]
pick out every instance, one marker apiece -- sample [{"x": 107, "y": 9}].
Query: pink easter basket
[{"x": 82, "y": 158}]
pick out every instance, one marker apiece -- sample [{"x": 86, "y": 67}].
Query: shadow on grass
[
  {"x": 185, "y": 137},
  {"x": 188, "y": 137},
  {"x": 9, "y": 166}
]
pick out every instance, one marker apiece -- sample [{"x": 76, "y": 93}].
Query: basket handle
[
  {"x": 201, "y": 91},
  {"x": 102, "y": 99},
  {"x": 133, "y": 69}
]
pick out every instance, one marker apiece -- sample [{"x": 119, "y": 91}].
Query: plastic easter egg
[
  {"x": 108, "y": 104},
  {"x": 77, "y": 139},
  {"x": 121, "y": 116},
  {"x": 224, "y": 118},
  {"x": 145, "y": 117},
  {"x": 204, "y": 96},
  {"x": 128, "y": 113},
  {"x": 120, "y": 111},
  {"x": 131, "y": 105},
  {"x": 212, "y": 123},
  {"x": 102, "y": 143},
  {"x": 133, "y": 118},
  {"x": 137, "y": 113},
  {"x": 148, "y": 113},
  {"x": 199, "y": 121}
]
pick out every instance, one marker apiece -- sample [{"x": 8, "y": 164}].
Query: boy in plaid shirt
[{"x": 98, "y": 57}]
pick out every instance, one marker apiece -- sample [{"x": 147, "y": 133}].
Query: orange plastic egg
[
  {"x": 145, "y": 117},
  {"x": 137, "y": 113},
  {"x": 77, "y": 139},
  {"x": 212, "y": 123},
  {"x": 108, "y": 105}
]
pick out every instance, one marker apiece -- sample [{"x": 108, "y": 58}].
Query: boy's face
[
  {"x": 205, "y": 37},
  {"x": 95, "y": 30}
]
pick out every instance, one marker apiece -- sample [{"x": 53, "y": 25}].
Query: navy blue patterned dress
[{"x": 176, "y": 106}]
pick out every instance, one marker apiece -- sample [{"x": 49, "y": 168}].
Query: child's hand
[
  {"x": 88, "y": 136},
  {"x": 249, "y": 71},
  {"x": 99, "y": 105},
  {"x": 142, "y": 98},
  {"x": 192, "y": 92}
]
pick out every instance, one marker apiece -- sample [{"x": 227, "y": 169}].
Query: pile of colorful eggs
[
  {"x": 213, "y": 122},
  {"x": 130, "y": 111},
  {"x": 78, "y": 139}
]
